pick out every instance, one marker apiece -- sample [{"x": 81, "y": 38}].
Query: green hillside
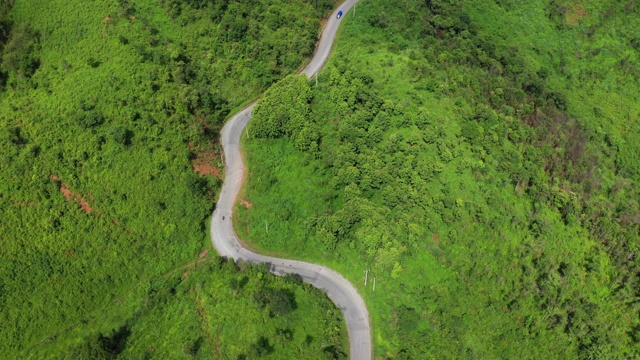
[
  {"x": 109, "y": 166},
  {"x": 208, "y": 309},
  {"x": 481, "y": 159}
]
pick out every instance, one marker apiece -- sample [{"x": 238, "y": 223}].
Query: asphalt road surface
[{"x": 224, "y": 239}]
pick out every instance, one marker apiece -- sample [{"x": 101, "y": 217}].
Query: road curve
[{"x": 225, "y": 240}]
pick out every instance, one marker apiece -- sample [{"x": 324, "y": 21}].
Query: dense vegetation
[
  {"x": 210, "y": 310},
  {"x": 481, "y": 159},
  {"x": 109, "y": 114}
]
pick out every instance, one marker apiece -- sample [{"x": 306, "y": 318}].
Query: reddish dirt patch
[
  {"x": 203, "y": 161},
  {"x": 206, "y": 169},
  {"x": 436, "y": 239},
  {"x": 203, "y": 253},
  {"x": 574, "y": 13},
  {"x": 185, "y": 274},
  {"x": 71, "y": 196},
  {"x": 246, "y": 204}
]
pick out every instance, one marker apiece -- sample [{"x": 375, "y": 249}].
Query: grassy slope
[
  {"x": 121, "y": 92},
  {"x": 204, "y": 311},
  {"x": 490, "y": 265}
]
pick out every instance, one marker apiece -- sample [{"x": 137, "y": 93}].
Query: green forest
[
  {"x": 481, "y": 160},
  {"x": 209, "y": 309},
  {"x": 109, "y": 163}
]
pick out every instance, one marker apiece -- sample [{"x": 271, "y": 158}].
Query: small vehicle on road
[{"x": 339, "y": 14}]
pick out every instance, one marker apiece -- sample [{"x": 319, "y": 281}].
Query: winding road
[{"x": 225, "y": 240}]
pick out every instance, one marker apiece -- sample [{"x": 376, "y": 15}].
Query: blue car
[{"x": 339, "y": 14}]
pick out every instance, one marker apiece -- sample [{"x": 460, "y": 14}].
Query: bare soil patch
[
  {"x": 436, "y": 239},
  {"x": 574, "y": 13},
  {"x": 203, "y": 161},
  {"x": 71, "y": 196},
  {"x": 246, "y": 203}
]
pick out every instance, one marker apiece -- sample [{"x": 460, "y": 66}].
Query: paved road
[{"x": 339, "y": 290}]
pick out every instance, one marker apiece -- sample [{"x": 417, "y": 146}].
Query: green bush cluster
[{"x": 284, "y": 110}]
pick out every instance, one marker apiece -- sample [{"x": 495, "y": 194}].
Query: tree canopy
[
  {"x": 109, "y": 169},
  {"x": 476, "y": 158}
]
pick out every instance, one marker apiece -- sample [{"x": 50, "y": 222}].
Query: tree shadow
[{"x": 116, "y": 342}]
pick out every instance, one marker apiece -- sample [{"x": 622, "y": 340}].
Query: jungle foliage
[
  {"x": 210, "y": 309},
  {"x": 283, "y": 110},
  {"x": 107, "y": 109},
  {"x": 480, "y": 158}
]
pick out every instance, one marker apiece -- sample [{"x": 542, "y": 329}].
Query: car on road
[{"x": 339, "y": 14}]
